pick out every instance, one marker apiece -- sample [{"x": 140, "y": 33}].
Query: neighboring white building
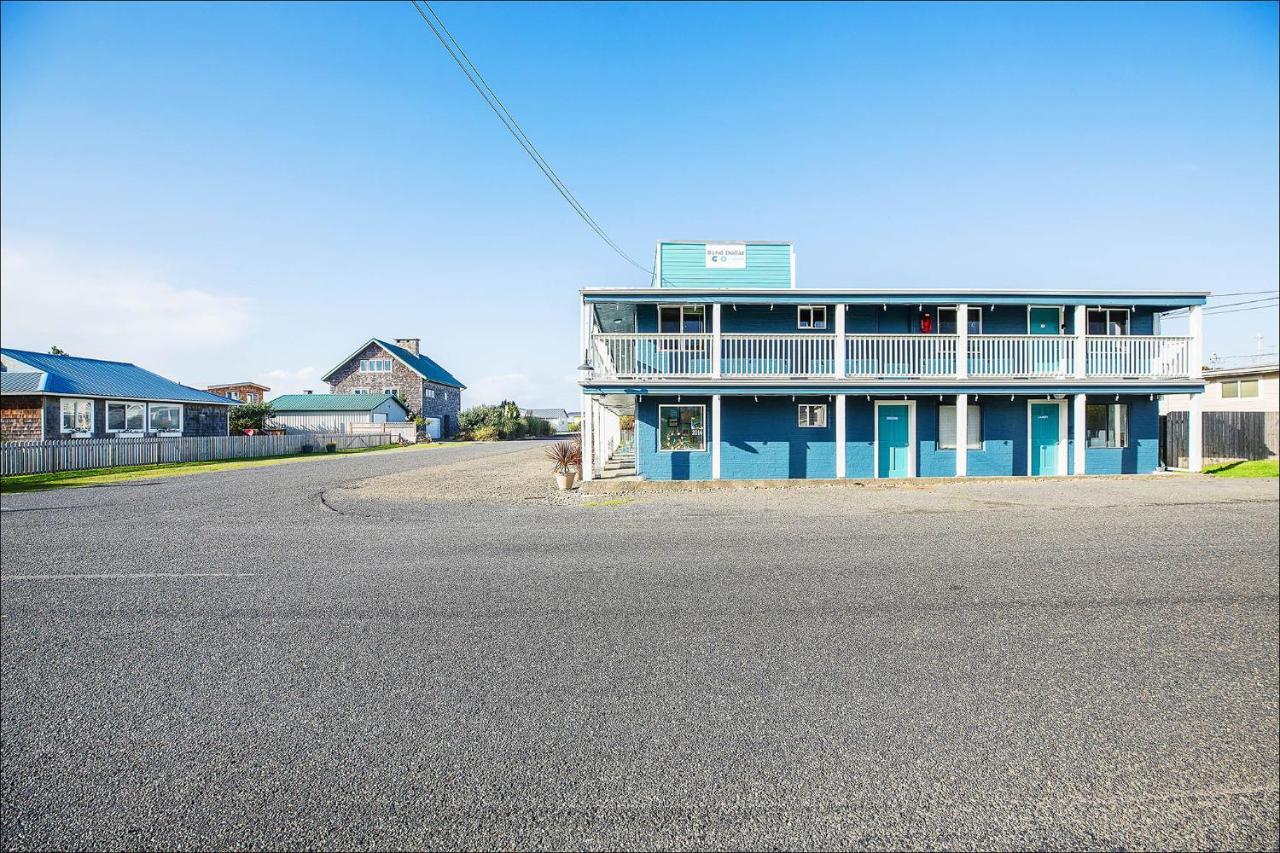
[
  {"x": 558, "y": 418},
  {"x": 335, "y": 413},
  {"x": 1233, "y": 389}
]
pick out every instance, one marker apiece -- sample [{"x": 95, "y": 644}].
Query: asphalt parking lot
[{"x": 302, "y": 656}]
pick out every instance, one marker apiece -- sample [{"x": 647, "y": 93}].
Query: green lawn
[
  {"x": 106, "y": 476},
  {"x": 1256, "y": 468}
]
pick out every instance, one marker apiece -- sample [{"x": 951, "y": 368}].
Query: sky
[{"x": 250, "y": 191}]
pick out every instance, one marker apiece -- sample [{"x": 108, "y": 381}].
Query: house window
[
  {"x": 375, "y": 365},
  {"x": 690, "y": 319},
  {"x": 680, "y": 428},
  {"x": 1107, "y": 425},
  {"x": 1236, "y": 388},
  {"x": 165, "y": 417},
  {"x": 359, "y": 390},
  {"x": 947, "y": 320},
  {"x": 811, "y": 317},
  {"x": 430, "y": 393},
  {"x": 252, "y": 397},
  {"x": 126, "y": 417},
  {"x": 1108, "y": 321},
  {"x": 811, "y": 416},
  {"x": 392, "y": 391},
  {"x": 947, "y": 428},
  {"x": 77, "y": 415},
  {"x": 234, "y": 395}
]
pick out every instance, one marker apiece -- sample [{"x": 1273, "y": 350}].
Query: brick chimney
[
  {"x": 306, "y": 392},
  {"x": 411, "y": 344}
]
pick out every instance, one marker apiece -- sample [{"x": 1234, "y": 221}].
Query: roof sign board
[{"x": 726, "y": 256}]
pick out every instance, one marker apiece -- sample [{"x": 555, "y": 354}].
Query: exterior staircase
[{"x": 621, "y": 464}]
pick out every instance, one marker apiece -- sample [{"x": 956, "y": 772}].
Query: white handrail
[
  {"x": 1138, "y": 356},
  {"x": 900, "y": 355},
  {"x": 777, "y": 355},
  {"x": 1021, "y": 355}
]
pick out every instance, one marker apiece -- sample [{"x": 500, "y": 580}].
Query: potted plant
[{"x": 564, "y": 455}]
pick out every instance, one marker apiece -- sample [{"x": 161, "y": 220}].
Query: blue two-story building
[{"x": 732, "y": 372}]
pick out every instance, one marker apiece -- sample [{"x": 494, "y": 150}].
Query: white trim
[
  {"x": 64, "y": 430},
  {"x": 360, "y": 365},
  {"x": 717, "y": 339},
  {"x": 841, "y": 437},
  {"x": 715, "y": 433},
  {"x": 181, "y": 418},
  {"x": 1062, "y": 319},
  {"x": 911, "y": 437},
  {"x": 793, "y": 261},
  {"x": 106, "y": 415},
  {"x": 1081, "y": 352},
  {"x": 968, "y": 307},
  {"x": 703, "y": 448},
  {"x": 969, "y": 407},
  {"x": 1062, "y": 434},
  {"x": 1079, "y": 406}
]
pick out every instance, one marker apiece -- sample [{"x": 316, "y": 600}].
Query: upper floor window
[
  {"x": 1108, "y": 321},
  {"x": 359, "y": 390},
  {"x": 811, "y": 317},
  {"x": 947, "y": 320},
  {"x": 1236, "y": 388},
  {"x": 252, "y": 397},
  {"x": 394, "y": 392},
  {"x": 428, "y": 393},
  {"x": 234, "y": 395},
  {"x": 375, "y": 365},
  {"x": 689, "y": 319},
  {"x": 77, "y": 415}
]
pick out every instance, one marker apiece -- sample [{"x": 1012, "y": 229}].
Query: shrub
[
  {"x": 626, "y": 422},
  {"x": 250, "y": 416},
  {"x": 484, "y": 433}
]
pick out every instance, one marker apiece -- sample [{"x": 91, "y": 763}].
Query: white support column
[
  {"x": 587, "y": 439},
  {"x": 962, "y": 435},
  {"x": 1081, "y": 323},
  {"x": 1078, "y": 402},
  {"x": 1195, "y": 418},
  {"x": 715, "y": 341},
  {"x": 840, "y": 345},
  {"x": 715, "y": 435},
  {"x": 841, "y": 465},
  {"x": 962, "y": 344}
]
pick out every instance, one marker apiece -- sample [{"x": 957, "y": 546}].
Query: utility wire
[
  {"x": 1237, "y": 310},
  {"x": 513, "y": 127}
]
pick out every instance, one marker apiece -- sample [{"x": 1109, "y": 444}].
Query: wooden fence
[
  {"x": 1227, "y": 436},
  {"x": 75, "y": 454}
]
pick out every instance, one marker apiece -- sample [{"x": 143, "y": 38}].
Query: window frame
[
  {"x": 394, "y": 392},
  {"x": 428, "y": 393},
  {"x": 1111, "y": 426},
  {"x": 813, "y": 324},
  {"x": 801, "y": 408},
  {"x": 702, "y": 420},
  {"x": 1257, "y": 389},
  {"x": 1108, "y": 311},
  {"x": 955, "y": 309},
  {"x": 974, "y": 408},
  {"x": 62, "y": 416},
  {"x": 359, "y": 390},
  {"x": 151, "y": 407},
  {"x": 106, "y": 419},
  {"x": 366, "y": 364}
]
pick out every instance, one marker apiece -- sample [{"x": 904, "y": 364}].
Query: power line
[
  {"x": 1244, "y": 293},
  {"x": 491, "y": 98},
  {"x": 1214, "y": 309},
  {"x": 1238, "y": 310}
]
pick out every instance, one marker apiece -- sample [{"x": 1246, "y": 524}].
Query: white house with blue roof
[
  {"x": 734, "y": 372},
  {"x": 44, "y": 396}
]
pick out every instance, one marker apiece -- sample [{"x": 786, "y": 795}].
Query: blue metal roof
[
  {"x": 91, "y": 377},
  {"x": 425, "y": 366},
  {"x": 12, "y": 382}
]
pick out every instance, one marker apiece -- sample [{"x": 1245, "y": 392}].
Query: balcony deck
[{"x": 659, "y": 356}]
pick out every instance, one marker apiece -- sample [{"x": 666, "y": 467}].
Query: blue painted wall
[
  {"x": 685, "y": 265},
  {"x": 763, "y": 440},
  {"x": 654, "y": 464}
]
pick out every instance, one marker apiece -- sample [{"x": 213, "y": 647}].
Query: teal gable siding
[
  {"x": 764, "y": 441},
  {"x": 684, "y": 265},
  {"x": 655, "y": 464}
]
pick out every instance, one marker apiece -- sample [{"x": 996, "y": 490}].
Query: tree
[
  {"x": 57, "y": 350},
  {"x": 251, "y": 416}
]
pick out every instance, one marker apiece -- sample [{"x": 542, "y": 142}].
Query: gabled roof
[
  {"x": 547, "y": 414},
  {"x": 332, "y": 402},
  {"x": 238, "y": 385},
  {"x": 91, "y": 377},
  {"x": 419, "y": 364}
]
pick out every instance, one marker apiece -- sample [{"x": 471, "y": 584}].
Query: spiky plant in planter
[{"x": 565, "y": 456}]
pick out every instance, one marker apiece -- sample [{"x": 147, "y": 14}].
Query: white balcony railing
[
  {"x": 900, "y": 355},
  {"x": 778, "y": 355},
  {"x": 910, "y": 356},
  {"x": 1013, "y": 356},
  {"x": 1137, "y": 356}
]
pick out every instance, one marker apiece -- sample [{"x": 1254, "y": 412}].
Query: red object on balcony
[{"x": 926, "y": 323}]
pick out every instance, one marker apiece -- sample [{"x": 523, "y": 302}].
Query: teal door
[
  {"x": 1043, "y": 321},
  {"x": 1044, "y": 439},
  {"x": 893, "y": 434}
]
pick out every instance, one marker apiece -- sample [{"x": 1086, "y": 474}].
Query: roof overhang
[
  {"x": 888, "y": 388},
  {"x": 1163, "y": 299}
]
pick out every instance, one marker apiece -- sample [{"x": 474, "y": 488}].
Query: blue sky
[{"x": 250, "y": 191}]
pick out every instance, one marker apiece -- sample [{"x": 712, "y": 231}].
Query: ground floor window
[
  {"x": 165, "y": 417},
  {"x": 77, "y": 415},
  {"x": 680, "y": 428},
  {"x": 1235, "y": 388},
  {"x": 126, "y": 417},
  {"x": 1107, "y": 425},
  {"x": 812, "y": 416},
  {"x": 947, "y": 427}
]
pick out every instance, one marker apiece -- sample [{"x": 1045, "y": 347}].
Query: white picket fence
[{"x": 77, "y": 454}]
